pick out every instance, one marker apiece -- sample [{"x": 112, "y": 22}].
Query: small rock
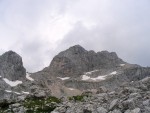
[
  {"x": 21, "y": 110},
  {"x": 54, "y": 112},
  {"x": 129, "y": 104},
  {"x": 102, "y": 89},
  {"x": 113, "y": 104},
  {"x": 127, "y": 111},
  {"x": 136, "y": 110},
  {"x": 146, "y": 102},
  {"x": 16, "y": 105},
  {"x": 147, "y": 109},
  {"x": 115, "y": 111},
  {"x": 40, "y": 94},
  {"x": 101, "y": 110},
  {"x": 132, "y": 95}
]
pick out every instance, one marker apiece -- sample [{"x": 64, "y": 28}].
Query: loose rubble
[{"x": 130, "y": 98}]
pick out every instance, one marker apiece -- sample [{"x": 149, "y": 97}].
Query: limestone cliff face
[
  {"x": 124, "y": 75},
  {"x": 11, "y": 70},
  {"x": 11, "y": 66},
  {"x": 76, "y": 60},
  {"x": 14, "y": 81}
]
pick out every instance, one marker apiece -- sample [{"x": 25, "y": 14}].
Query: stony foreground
[{"x": 130, "y": 98}]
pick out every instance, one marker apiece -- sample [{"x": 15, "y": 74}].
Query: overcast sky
[{"x": 40, "y": 29}]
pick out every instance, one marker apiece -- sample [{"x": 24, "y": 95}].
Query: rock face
[
  {"x": 12, "y": 73},
  {"x": 11, "y": 66},
  {"x": 76, "y": 60},
  {"x": 77, "y": 69},
  {"x": 66, "y": 69},
  {"x": 16, "y": 84},
  {"x": 86, "y": 81}
]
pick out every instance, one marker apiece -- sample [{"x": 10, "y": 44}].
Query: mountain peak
[
  {"x": 11, "y": 61},
  {"x": 76, "y": 49},
  {"x": 76, "y": 60},
  {"x": 11, "y": 54},
  {"x": 79, "y": 47}
]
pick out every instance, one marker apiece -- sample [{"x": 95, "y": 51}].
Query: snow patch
[
  {"x": 71, "y": 89},
  {"x": 8, "y": 91},
  {"x": 17, "y": 93},
  {"x": 0, "y": 76},
  {"x": 113, "y": 73},
  {"x": 12, "y": 83},
  {"x": 122, "y": 64},
  {"x": 90, "y": 72},
  {"x": 99, "y": 78},
  {"x": 28, "y": 77},
  {"x": 85, "y": 77},
  {"x": 65, "y": 78},
  {"x": 25, "y": 92}
]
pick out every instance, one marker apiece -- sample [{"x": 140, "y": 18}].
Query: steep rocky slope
[
  {"x": 12, "y": 73},
  {"x": 74, "y": 70},
  {"x": 15, "y": 82}
]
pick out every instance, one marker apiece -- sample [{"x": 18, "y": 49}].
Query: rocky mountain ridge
[
  {"x": 72, "y": 72},
  {"x": 76, "y": 60}
]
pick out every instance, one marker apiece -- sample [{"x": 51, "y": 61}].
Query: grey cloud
[
  {"x": 21, "y": 24},
  {"x": 120, "y": 26},
  {"x": 130, "y": 42},
  {"x": 36, "y": 53}
]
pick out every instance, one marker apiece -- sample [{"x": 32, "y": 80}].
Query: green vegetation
[
  {"x": 40, "y": 105},
  {"x": 78, "y": 98},
  {"x": 33, "y": 105}
]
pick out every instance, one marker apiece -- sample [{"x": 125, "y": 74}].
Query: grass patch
[
  {"x": 40, "y": 105},
  {"x": 78, "y": 97}
]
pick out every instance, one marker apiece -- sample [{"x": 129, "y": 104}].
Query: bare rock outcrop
[
  {"x": 11, "y": 66},
  {"x": 76, "y": 60}
]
